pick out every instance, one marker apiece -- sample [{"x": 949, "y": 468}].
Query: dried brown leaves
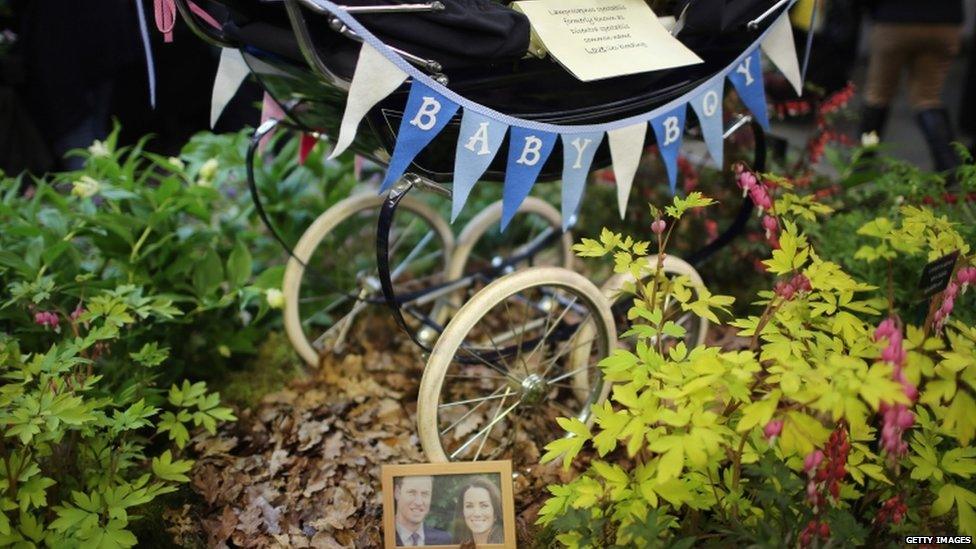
[{"x": 302, "y": 469}]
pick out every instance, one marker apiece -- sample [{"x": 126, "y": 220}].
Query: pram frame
[{"x": 431, "y": 384}]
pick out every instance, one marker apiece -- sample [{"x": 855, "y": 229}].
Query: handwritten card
[{"x": 596, "y": 39}]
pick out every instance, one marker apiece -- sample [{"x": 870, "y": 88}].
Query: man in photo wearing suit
[{"x": 412, "y": 496}]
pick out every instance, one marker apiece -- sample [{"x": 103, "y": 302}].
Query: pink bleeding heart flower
[
  {"x": 659, "y": 226},
  {"x": 46, "y": 319},
  {"x": 911, "y": 391},
  {"x": 812, "y": 461},
  {"x": 76, "y": 314},
  {"x": 773, "y": 429},
  {"x": 886, "y": 329}
]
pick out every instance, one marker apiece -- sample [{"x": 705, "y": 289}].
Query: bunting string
[{"x": 430, "y": 106}]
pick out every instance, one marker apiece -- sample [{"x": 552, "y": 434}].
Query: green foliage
[
  {"x": 118, "y": 280},
  {"x": 706, "y": 444},
  {"x": 182, "y": 230},
  {"x": 78, "y": 457},
  {"x": 880, "y": 192}
]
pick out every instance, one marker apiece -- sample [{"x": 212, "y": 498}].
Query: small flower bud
[
  {"x": 659, "y": 226},
  {"x": 276, "y": 299}
]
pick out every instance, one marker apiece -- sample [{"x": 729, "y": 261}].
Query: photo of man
[{"x": 412, "y": 496}]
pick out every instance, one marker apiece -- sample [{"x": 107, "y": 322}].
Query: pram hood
[
  {"x": 536, "y": 92},
  {"x": 466, "y": 34}
]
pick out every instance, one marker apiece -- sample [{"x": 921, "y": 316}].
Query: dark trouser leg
[{"x": 937, "y": 129}]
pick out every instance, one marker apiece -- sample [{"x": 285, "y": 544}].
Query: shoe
[{"x": 937, "y": 129}]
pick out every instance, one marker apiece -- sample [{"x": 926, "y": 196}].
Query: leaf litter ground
[{"x": 302, "y": 467}]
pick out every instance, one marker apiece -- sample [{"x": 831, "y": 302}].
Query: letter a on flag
[
  {"x": 668, "y": 129},
  {"x": 426, "y": 114},
  {"x": 479, "y": 139}
]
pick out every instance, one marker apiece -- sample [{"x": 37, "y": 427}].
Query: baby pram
[{"x": 510, "y": 347}]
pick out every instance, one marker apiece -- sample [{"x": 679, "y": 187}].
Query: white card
[{"x": 596, "y": 39}]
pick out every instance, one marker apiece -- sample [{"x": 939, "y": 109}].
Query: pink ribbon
[{"x": 165, "y": 15}]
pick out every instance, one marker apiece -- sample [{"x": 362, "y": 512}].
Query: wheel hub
[{"x": 534, "y": 389}]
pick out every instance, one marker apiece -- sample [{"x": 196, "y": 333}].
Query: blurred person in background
[{"x": 922, "y": 37}]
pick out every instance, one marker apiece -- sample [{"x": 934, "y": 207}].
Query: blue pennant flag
[
  {"x": 708, "y": 108},
  {"x": 426, "y": 114},
  {"x": 478, "y": 143},
  {"x": 668, "y": 129},
  {"x": 578, "y": 151},
  {"x": 748, "y": 81},
  {"x": 528, "y": 150}
]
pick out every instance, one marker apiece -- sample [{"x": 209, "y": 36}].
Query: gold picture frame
[{"x": 464, "y": 487}]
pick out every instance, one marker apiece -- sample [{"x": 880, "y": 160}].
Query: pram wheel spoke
[
  {"x": 339, "y": 279},
  {"x": 527, "y": 325},
  {"x": 534, "y": 238}
]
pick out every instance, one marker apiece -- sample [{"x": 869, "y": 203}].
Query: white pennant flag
[
  {"x": 781, "y": 50},
  {"x": 231, "y": 72},
  {"x": 375, "y": 78},
  {"x": 626, "y": 145}
]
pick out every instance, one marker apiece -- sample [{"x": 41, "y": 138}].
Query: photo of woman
[
  {"x": 478, "y": 515},
  {"x": 463, "y": 505}
]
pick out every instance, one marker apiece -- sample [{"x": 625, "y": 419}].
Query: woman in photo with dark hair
[{"x": 478, "y": 518}]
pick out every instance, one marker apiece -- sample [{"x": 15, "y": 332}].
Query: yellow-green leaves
[
  {"x": 569, "y": 446},
  {"x": 706, "y": 302},
  {"x": 960, "y": 420},
  {"x": 964, "y": 500},
  {"x": 792, "y": 254},
  {"x": 758, "y": 413},
  {"x": 680, "y": 205},
  {"x": 672, "y": 453},
  {"x": 918, "y": 231},
  {"x": 801, "y": 433}
]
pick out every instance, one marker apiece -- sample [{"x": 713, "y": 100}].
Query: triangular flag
[
  {"x": 748, "y": 81},
  {"x": 426, "y": 114},
  {"x": 708, "y": 108},
  {"x": 375, "y": 78},
  {"x": 668, "y": 129},
  {"x": 578, "y": 151},
  {"x": 626, "y": 145},
  {"x": 305, "y": 145},
  {"x": 779, "y": 46},
  {"x": 528, "y": 151},
  {"x": 231, "y": 72},
  {"x": 479, "y": 139}
]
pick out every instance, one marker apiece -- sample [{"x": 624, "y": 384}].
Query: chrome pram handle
[
  {"x": 212, "y": 36},
  {"x": 307, "y": 46}
]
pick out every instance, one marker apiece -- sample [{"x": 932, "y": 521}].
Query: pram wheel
[
  {"x": 534, "y": 238},
  {"x": 498, "y": 377},
  {"x": 339, "y": 280}
]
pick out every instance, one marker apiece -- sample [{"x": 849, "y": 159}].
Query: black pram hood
[
  {"x": 467, "y": 33},
  {"x": 464, "y": 33}
]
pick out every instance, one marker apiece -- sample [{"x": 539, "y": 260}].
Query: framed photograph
[{"x": 449, "y": 504}]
